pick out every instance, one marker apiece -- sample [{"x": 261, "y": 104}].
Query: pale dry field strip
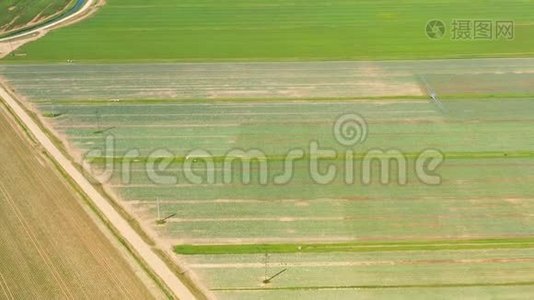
[
  {"x": 80, "y": 82},
  {"x": 193, "y": 81},
  {"x": 50, "y": 246}
]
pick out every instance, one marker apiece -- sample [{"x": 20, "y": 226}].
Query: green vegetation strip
[
  {"x": 274, "y": 158},
  {"x": 476, "y": 244},
  {"x": 406, "y": 286},
  {"x": 278, "y": 30}
]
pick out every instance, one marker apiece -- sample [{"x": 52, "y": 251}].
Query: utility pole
[
  {"x": 159, "y": 211},
  {"x": 267, "y": 279},
  {"x": 160, "y": 220},
  {"x": 11, "y": 46},
  {"x": 266, "y": 266},
  {"x": 97, "y": 113}
]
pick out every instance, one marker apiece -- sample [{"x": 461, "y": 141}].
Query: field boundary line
[
  {"x": 5, "y": 287},
  {"x": 373, "y": 287},
  {"x": 143, "y": 250}
]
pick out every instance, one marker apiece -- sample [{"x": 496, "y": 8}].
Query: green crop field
[
  {"x": 19, "y": 13},
  {"x": 267, "y": 30}
]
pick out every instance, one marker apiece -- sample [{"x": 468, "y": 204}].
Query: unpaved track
[{"x": 143, "y": 250}]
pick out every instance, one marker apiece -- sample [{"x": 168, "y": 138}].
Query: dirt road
[
  {"x": 49, "y": 243},
  {"x": 151, "y": 259}
]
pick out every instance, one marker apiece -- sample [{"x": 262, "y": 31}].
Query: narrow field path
[{"x": 144, "y": 251}]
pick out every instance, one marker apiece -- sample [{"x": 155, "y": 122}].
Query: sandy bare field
[{"x": 50, "y": 246}]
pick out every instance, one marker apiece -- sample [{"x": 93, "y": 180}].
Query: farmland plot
[
  {"x": 316, "y": 80},
  {"x": 167, "y": 111},
  {"x": 278, "y": 30}
]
